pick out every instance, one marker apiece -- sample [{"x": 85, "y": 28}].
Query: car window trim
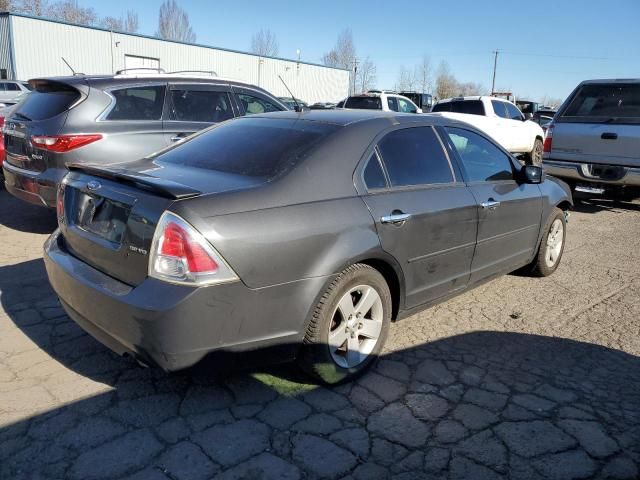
[{"x": 112, "y": 102}]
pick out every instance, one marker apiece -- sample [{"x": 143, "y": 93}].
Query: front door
[
  {"x": 509, "y": 213},
  {"x": 426, "y": 218}
]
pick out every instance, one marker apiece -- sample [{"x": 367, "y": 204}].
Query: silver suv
[{"x": 594, "y": 140}]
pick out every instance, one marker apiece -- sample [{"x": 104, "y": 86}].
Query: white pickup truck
[{"x": 499, "y": 119}]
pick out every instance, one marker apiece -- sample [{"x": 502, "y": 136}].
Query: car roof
[
  {"x": 344, "y": 117},
  {"x": 106, "y": 80},
  {"x": 611, "y": 80}
]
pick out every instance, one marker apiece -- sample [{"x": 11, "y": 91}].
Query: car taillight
[
  {"x": 63, "y": 143},
  {"x": 181, "y": 254},
  {"x": 548, "y": 139}
]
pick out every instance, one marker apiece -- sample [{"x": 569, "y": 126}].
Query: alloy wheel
[
  {"x": 355, "y": 326},
  {"x": 555, "y": 238}
]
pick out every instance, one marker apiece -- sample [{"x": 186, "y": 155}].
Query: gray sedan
[{"x": 311, "y": 231}]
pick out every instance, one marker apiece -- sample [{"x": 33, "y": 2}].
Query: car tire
[
  {"x": 534, "y": 157},
  {"x": 551, "y": 246},
  {"x": 337, "y": 324}
]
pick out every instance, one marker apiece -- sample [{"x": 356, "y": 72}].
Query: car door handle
[
  {"x": 490, "y": 205},
  {"x": 395, "y": 218},
  {"x": 609, "y": 136}
]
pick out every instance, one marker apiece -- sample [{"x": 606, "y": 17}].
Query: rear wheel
[
  {"x": 535, "y": 156},
  {"x": 551, "y": 246},
  {"x": 349, "y": 325}
]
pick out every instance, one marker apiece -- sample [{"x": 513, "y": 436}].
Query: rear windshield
[
  {"x": 254, "y": 147},
  {"x": 473, "y": 107},
  {"x": 604, "y": 103},
  {"x": 47, "y": 100},
  {"x": 365, "y": 103}
]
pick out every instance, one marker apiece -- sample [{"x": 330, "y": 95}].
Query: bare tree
[
  {"x": 424, "y": 75},
  {"x": 173, "y": 23},
  {"x": 406, "y": 80},
  {"x": 343, "y": 55},
  {"x": 446, "y": 83},
  {"x": 366, "y": 75},
  {"x": 128, "y": 23},
  {"x": 71, "y": 11},
  {"x": 469, "y": 89},
  {"x": 38, "y": 8},
  {"x": 265, "y": 43},
  {"x": 6, "y": 6}
]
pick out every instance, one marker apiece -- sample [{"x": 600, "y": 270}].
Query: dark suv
[{"x": 112, "y": 119}]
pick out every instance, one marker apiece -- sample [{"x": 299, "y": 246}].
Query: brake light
[
  {"x": 63, "y": 143},
  {"x": 181, "y": 254},
  {"x": 548, "y": 139}
]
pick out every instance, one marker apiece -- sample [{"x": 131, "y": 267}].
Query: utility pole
[
  {"x": 355, "y": 74},
  {"x": 495, "y": 65}
]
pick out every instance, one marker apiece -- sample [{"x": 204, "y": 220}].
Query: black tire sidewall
[{"x": 316, "y": 357}]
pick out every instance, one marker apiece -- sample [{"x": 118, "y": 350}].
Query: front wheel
[
  {"x": 349, "y": 325},
  {"x": 551, "y": 246},
  {"x": 535, "y": 156}
]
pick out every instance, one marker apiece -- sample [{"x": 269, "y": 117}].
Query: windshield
[
  {"x": 255, "y": 147},
  {"x": 611, "y": 103},
  {"x": 366, "y": 103}
]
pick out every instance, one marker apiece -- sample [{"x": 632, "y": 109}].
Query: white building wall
[{"x": 39, "y": 45}]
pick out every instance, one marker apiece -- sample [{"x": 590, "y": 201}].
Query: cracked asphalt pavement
[{"x": 520, "y": 378}]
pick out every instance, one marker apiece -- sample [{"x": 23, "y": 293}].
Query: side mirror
[
  {"x": 532, "y": 174},
  {"x": 298, "y": 108}
]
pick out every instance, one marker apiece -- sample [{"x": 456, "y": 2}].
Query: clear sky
[{"x": 547, "y": 47}]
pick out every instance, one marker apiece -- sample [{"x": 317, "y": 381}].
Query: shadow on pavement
[
  {"x": 18, "y": 215},
  {"x": 479, "y": 405},
  {"x": 592, "y": 204}
]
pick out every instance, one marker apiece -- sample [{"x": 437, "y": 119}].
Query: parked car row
[{"x": 305, "y": 232}]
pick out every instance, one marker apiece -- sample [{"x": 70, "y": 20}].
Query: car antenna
[
  {"x": 70, "y": 67},
  {"x": 299, "y": 108}
]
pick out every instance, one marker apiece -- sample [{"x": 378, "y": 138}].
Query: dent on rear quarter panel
[{"x": 285, "y": 244}]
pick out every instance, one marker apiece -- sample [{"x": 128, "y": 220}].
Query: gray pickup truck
[{"x": 593, "y": 142}]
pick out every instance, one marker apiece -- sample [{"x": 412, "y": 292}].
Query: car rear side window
[
  {"x": 364, "y": 103},
  {"x": 481, "y": 159},
  {"x": 392, "y": 102},
  {"x": 190, "y": 105},
  {"x": 414, "y": 156},
  {"x": 138, "y": 103},
  {"x": 498, "y": 107},
  {"x": 373, "y": 174},
  {"x": 613, "y": 103},
  {"x": 47, "y": 100},
  {"x": 254, "y": 147},
  {"x": 12, "y": 87},
  {"x": 472, "y": 107}
]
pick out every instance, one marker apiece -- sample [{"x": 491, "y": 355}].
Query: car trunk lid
[{"x": 110, "y": 214}]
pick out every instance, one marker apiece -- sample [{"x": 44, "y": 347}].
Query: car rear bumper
[
  {"x": 593, "y": 173},
  {"x": 39, "y": 188},
  {"x": 175, "y": 326}
]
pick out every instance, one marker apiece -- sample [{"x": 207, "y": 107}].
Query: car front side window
[
  {"x": 252, "y": 104},
  {"x": 481, "y": 159},
  {"x": 406, "y": 107},
  {"x": 513, "y": 112}
]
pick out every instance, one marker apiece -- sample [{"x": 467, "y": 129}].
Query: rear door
[
  {"x": 425, "y": 216},
  {"x": 601, "y": 125},
  {"x": 509, "y": 213},
  {"x": 519, "y": 132},
  {"x": 501, "y": 126},
  {"x": 193, "y": 107}
]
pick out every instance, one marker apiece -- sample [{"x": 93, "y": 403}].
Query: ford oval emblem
[{"x": 93, "y": 185}]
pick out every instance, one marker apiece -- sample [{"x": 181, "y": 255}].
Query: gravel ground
[{"x": 520, "y": 378}]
